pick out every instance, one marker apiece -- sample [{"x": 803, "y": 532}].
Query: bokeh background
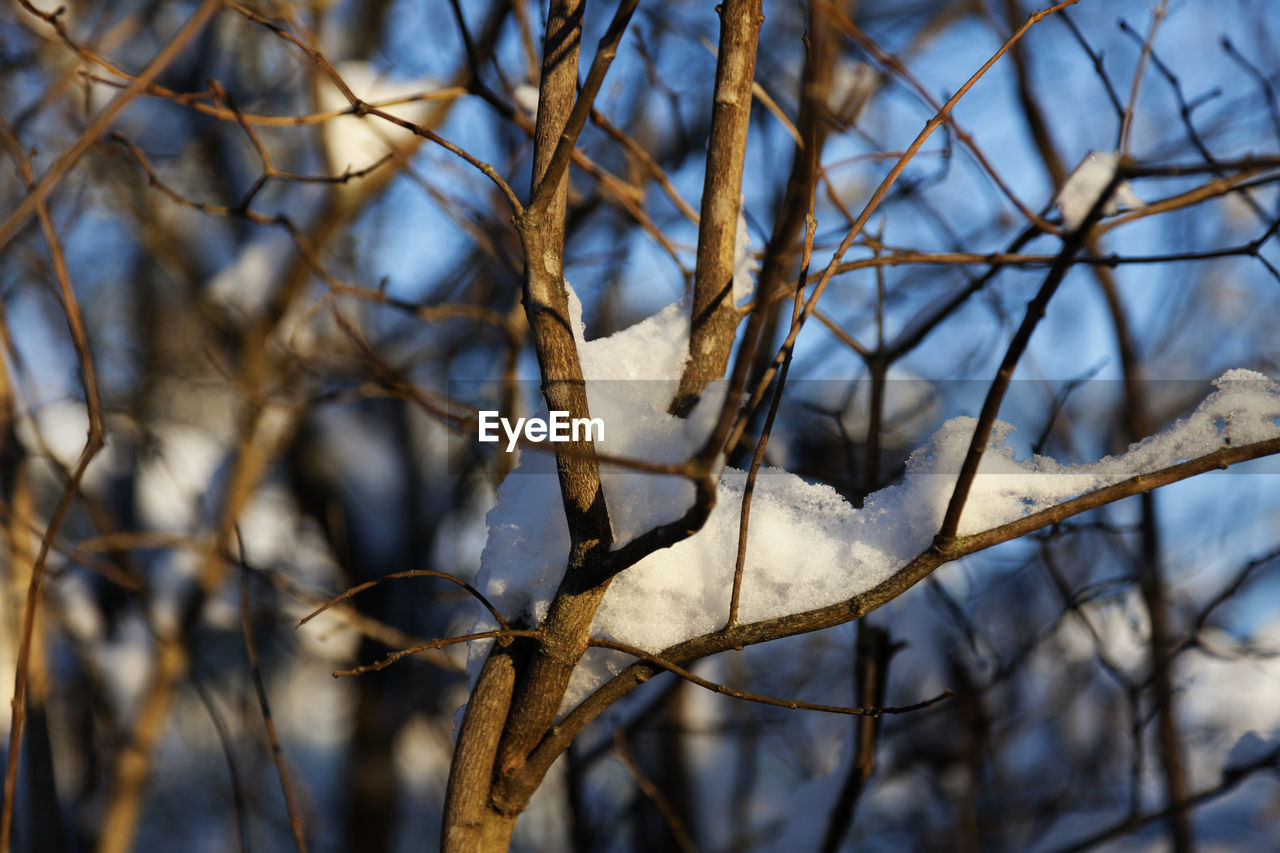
[{"x": 273, "y": 298}]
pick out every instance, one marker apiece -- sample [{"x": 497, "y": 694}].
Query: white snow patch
[
  {"x": 1087, "y": 182},
  {"x": 806, "y": 546},
  {"x": 1252, "y": 684},
  {"x": 851, "y": 84},
  {"x": 77, "y": 609},
  {"x": 1122, "y": 628},
  {"x": 422, "y": 754},
  {"x": 315, "y": 711},
  {"x": 61, "y": 427},
  {"x": 358, "y": 142},
  {"x": 246, "y": 283},
  {"x": 126, "y": 662},
  {"x": 526, "y": 95},
  {"x": 173, "y": 484}
]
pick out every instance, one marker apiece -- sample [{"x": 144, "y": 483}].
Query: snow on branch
[
  {"x": 807, "y": 547},
  {"x": 1089, "y": 180}
]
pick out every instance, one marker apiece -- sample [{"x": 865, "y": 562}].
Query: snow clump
[
  {"x": 807, "y": 547},
  {"x": 1088, "y": 181}
]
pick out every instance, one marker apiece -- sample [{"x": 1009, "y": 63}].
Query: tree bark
[
  {"x": 469, "y": 824},
  {"x": 715, "y": 317},
  {"x": 525, "y": 686}
]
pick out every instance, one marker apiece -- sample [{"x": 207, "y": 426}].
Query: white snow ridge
[
  {"x": 1087, "y": 182},
  {"x": 807, "y": 547}
]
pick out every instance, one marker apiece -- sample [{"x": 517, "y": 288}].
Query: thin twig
[
  {"x": 440, "y": 643},
  {"x": 50, "y": 179},
  {"x": 757, "y": 457},
  {"x": 363, "y": 108},
  {"x": 1017, "y": 346},
  {"x": 411, "y": 573},
  {"x": 733, "y": 417},
  {"x": 1126, "y": 125},
  {"x": 891, "y": 62},
  {"x": 668, "y": 811},
  {"x": 543, "y": 195},
  {"x": 94, "y": 442},
  {"x": 273, "y": 737},
  {"x": 760, "y": 698}
]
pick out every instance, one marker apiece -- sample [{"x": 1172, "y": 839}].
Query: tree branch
[
  {"x": 739, "y": 636},
  {"x": 715, "y": 317}
]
